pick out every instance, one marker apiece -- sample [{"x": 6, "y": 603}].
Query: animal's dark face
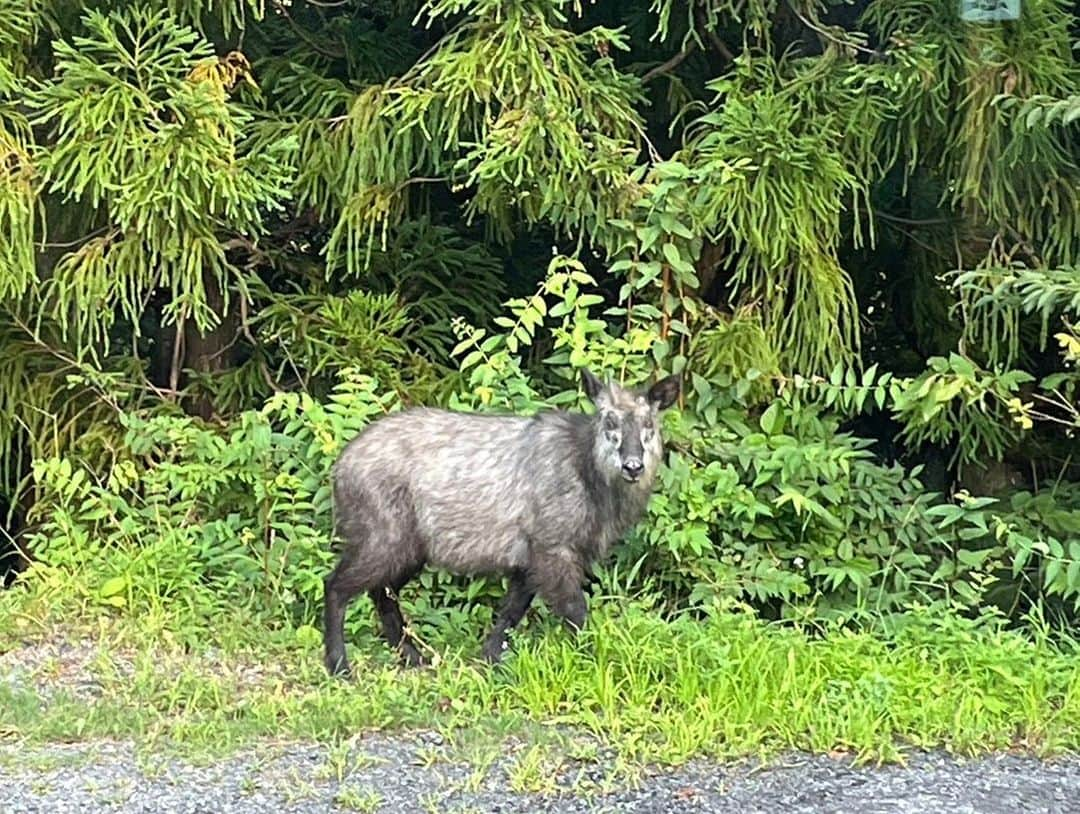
[{"x": 628, "y": 443}]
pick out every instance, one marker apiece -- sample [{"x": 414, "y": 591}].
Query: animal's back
[{"x": 472, "y": 484}]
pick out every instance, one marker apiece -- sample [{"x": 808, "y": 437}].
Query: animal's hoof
[
  {"x": 494, "y": 651},
  {"x": 339, "y": 668},
  {"x": 411, "y": 657}
]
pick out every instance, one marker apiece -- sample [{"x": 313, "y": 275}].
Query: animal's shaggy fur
[{"x": 538, "y": 498}]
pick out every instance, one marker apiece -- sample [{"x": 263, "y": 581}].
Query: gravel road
[{"x": 414, "y": 773}]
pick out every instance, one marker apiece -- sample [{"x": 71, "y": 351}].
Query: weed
[
  {"x": 428, "y": 756},
  {"x": 342, "y": 760},
  {"x": 293, "y": 788},
  {"x": 481, "y": 763},
  {"x": 431, "y": 802},
  {"x": 535, "y": 772},
  {"x": 151, "y": 766},
  {"x": 583, "y": 750},
  {"x": 41, "y": 762},
  {"x": 354, "y": 798}
]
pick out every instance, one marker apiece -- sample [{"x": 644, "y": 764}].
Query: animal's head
[{"x": 628, "y": 443}]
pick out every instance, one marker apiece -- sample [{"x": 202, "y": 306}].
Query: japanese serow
[{"x": 536, "y": 498}]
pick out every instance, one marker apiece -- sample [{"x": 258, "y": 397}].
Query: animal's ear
[
  {"x": 663, "y": 394},
  {"x": 593, "y": 386}
]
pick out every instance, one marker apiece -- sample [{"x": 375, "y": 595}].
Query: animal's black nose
[{"x": 633, "y": 467}]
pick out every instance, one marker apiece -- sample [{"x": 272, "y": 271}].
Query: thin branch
[
  {"x": 255, "y": 254},
  {"x": 654, "y": 154},
  {"x": 914, "y": 221},
  {"x": 720, "y": 45},
  {"x": 911, "y": 236},
  {"x": 177, "y": 355},
  {"x": 163, "y": 393},
  {"x": 96, "y": 233},
  {"x": 245, "y": 326},
  {"x": 449, "y": 37},
  {"x": 71, "y": 361},
  {"x": 671, "y": 64},
  {"x": 419, "y": 179},
  {"x": 714, "y": 38},
  {"x": 829, "y": 35},
  {"x": 315, "y": 46},
  {"x": 1024, "y": 245}
]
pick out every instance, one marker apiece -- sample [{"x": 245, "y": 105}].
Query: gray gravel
[{"x": 418, "y": 773}]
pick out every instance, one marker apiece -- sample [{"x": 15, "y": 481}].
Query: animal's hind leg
[
  {"x": 339, "y": 589},
  {"x": 518, "y": 598},
  {"x": 393, "y": 623}
]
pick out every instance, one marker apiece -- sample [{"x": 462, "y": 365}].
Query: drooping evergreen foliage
[{"x": 233, "y": 232}]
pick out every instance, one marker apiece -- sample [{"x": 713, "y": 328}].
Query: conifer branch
[{"x": 671, "y": 64}]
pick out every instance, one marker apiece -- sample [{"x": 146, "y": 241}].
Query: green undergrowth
[{"x": 720, "y": 684}]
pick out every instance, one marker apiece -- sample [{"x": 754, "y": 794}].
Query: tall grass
[{"x": 720, "y": 683}]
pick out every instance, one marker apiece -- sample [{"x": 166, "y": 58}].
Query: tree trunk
[{"x": 210, "y": 352}]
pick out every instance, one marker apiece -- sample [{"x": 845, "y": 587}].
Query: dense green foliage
[{"x": 234, "y": 234}]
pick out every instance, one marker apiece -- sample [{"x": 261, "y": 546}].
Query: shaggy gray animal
[{"x": 538, "y": 498}]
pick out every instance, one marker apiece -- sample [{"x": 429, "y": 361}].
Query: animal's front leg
[
  {"x": 558, "y": 579},
  {"x": 572, "y": 607}
]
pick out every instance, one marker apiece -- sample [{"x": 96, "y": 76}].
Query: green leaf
[
  {"x": 671, "y": 254},
  {"x": 973, "y": 559},
  {"x": 113, "y": 586},
  {"x": 772, "y": 418}
]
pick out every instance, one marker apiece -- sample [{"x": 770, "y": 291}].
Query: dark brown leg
[
  {"x": 393, "y": 623},
  {"x": 558, "y": 581},
  {"x": 518, "y": 598},
  {"x": 339, "y": 590}
]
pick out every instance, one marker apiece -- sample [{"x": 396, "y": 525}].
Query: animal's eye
[{"x": 610, "y": 423}]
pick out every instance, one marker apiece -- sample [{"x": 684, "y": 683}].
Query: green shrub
[{"x": 781, "y": 510}]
